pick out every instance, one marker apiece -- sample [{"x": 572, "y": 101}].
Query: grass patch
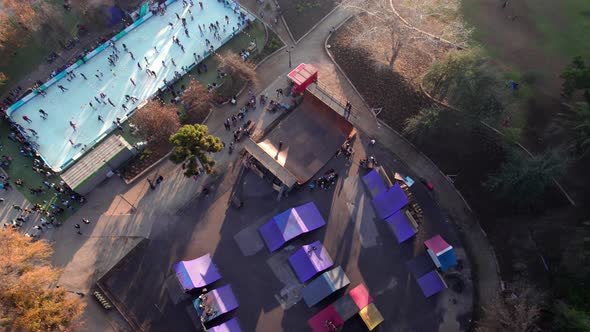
[{"x": 567, "y": 35}]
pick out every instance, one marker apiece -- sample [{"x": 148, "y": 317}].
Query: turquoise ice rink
[{"x": 54, "y": 133}]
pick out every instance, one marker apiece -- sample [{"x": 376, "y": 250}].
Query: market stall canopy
[
  {"x": 231, "y": 325},
  {"x": 290, "y": 224},
  {"x": 390, "y": 201},
  {"x": 196, "y": 273},
  {"x": 371, "y": 316},
  {"x": 309, "y": 260},
  {"x": 374, "y": 183},
  {"x": 441, "y": 252},
  {"x": 431, "y": 283},
  {"x": 402, "y": 226},
  {"x": 324, "y": 285},
  {"x": 318, "y": 322},
  {"x": 215, "y": 303}
]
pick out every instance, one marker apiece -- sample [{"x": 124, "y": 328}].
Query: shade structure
[
  {"x": 371, "y": 316},
  {"x": 215, "y": 303},
  {"x": 320, "y": 321},
  {"x": 401, "y": 226},
  {"x": 441, "y": 253},
  {"x": 420, "y": 265},
  {"x": 309, "y": 260},
  {"x": 431, "y": 283},
  {"x": 374, "y": 182},
  {"x": 351, "y": 303},
  {"x": 324, "y": 285},
  {"x": 390, "y": 201},
  {"x": 360, "y": 295},
  {"x": 231, "y": 325},
  {"x": 196, "y": 273},
  {"x": 290, "y": 224}
]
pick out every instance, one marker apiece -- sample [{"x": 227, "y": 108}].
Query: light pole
[{"x": 289, "y": 50}]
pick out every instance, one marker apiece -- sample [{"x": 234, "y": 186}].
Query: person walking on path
[
  {"x": 77, "y": 227},
  {"x": 26, "y": 118}
]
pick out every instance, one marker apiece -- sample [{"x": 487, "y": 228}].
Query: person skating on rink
[
  {"x": 44, "y": 114},
  {"x": 173, "y": 63},
  {"x": 26, "y": 118},
  {"x": 62, "y": 88},
  {"x": 73, "y": 125},
  {"x": 132, "y": 81},
  {"x": 110, "y": 102},
  {"x": 100, "y": 119}
]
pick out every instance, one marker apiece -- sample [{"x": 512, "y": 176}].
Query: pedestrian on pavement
[
  {"x": 77, "y": 226},
  {"x": 86, "y": 221},
  {"x": 159, "y": 179}
]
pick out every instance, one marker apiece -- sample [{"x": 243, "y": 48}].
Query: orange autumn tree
[
  {"x": 29, "y": 299},
  {"x": 20, "y": 19},
  {"x": 196, "y": 101}
]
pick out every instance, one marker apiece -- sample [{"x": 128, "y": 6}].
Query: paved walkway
[{"x": 121, "y": 214}]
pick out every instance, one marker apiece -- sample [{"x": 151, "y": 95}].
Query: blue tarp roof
[
  {"x": 290, "y": 224},
  {"x": 447, "y": 260},
  {"x": 390, "y": 201},
  {"x": 309, "y": 260},
  {"x": 431, "y": 283},
  {"x": 374, "y": 183},
  {"x": 324, "y": 285},
  {"x": 400, "y": 226}
]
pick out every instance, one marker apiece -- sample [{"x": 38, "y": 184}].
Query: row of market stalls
[
  {"x": 210, "y": 305},
  {"x": 315, "y": 269},
  {"x": 395, "y": 205}
]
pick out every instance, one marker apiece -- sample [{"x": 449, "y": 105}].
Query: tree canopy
[
  {"x": 578, "y": 123},
  {"x": 423, "y": 123},
  {"x": 465, "y": 80},
  {"x": 157, "y": 122},
  {"x": 576, "y": 76},
  {"x": 28, "y": 298},
  {"x": 232, "y": 64},
  {"x": 192, "y": 144},
  {"x": 196, "y": 101},
  {"x": 521, "y": 179}
]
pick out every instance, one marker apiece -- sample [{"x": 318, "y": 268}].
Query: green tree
[
  {"x": 192, "y": 145},
  {"x": 522, "y": 179},
  {"x": 423, "y": 123},
  {"x": 578, "y": 123},
  {"x": 576, "y": 76},
  {"x": 570, "y": 318},
  {"x": 28, "y": 299},
  {"x": 465, "y": 80}
]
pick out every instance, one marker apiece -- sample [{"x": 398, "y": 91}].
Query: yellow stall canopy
[{"x": 371, "y": 316}]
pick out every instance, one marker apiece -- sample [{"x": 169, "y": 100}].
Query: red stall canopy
[{"x": 303, "y": 76}]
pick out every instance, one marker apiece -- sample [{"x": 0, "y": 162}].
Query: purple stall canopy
[
  {"x": 215, "y": 303},
  {"x": 309, "y": 260},
  {"x": 374, "y": 183},
  {"x": 401, "y": 226},
  {"x": 290, "y": 224},
  {"x": 196, "y": 273},
  {"x": 390, "y": 201},
  {"x": 324, "y": 285},
  {"x": 231, "y": 325},
  {"x": 431, "y": 283}
]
